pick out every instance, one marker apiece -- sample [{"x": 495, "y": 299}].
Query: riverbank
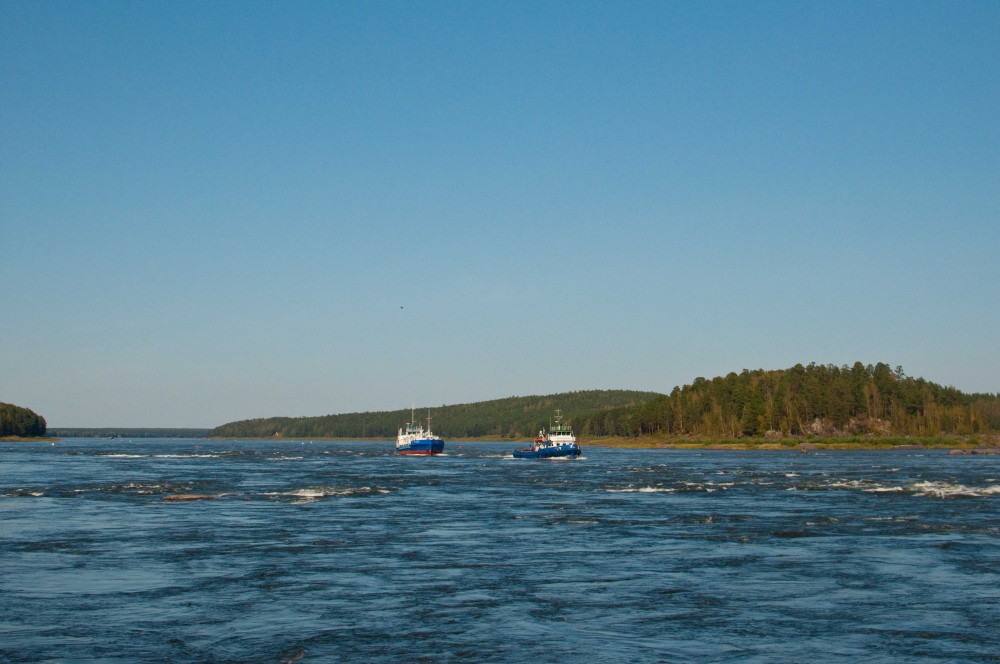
[{"x": 987, "y": 441}]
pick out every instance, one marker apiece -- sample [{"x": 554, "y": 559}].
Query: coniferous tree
[{"x": 20, "y": 421}]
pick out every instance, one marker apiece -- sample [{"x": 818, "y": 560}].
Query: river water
[{"x": 343, "y": 552}]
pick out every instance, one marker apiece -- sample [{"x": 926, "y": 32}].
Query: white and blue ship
[
  {"x": 415, "y": 440},
  {"x": 558, "y": 442}
]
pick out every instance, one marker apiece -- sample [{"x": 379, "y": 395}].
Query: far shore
[
  {"x": 792, "y": 443},
  {"x": 987, "y": 441}
]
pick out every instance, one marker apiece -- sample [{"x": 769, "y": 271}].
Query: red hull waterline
[{"x": 417, "y": 453}]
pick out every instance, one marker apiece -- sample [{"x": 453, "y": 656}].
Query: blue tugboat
[
  {"x": 558, "y": 442},
  {"x": 417, "y": 441}
]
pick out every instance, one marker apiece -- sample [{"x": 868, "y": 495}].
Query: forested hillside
[
  {"x": 19, "y": 421},
  {"x": 513, "y": 417},
  {"x": 821, "y": 400},
  {"x": 814, "y": 400}
]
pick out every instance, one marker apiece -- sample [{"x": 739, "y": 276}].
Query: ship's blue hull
[
  {"x": 422, "y": 446},
  {"x": 557, "y": 451}
]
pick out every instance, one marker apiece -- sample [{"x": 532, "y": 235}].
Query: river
[{"x": 343, "y": 552}]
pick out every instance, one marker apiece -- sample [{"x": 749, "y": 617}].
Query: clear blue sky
[{"x": 217, "y": 211}]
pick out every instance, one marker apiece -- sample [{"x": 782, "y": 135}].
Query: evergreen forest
[
  {"x": 20, "y": 421},
  {"x": 815, "y": 400}
]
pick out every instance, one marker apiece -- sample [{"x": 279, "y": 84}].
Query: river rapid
[{"x": 224, "y": 551}]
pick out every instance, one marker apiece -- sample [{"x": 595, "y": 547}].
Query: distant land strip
[
  {"x": 125, "y": 432},
  {"x": 815, "y": 401},
  {"x": 853, "y": 406},
  {"x": 971, "y": 444},
  {"x": 517, "y": 418}
]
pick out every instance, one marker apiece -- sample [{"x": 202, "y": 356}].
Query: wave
[
  {"x": 123, "y": 455},
  {"x": 310, "y": 494},
  {"x": 927, "y": 489},
  {"x": 139, "y": 488},
  {"x": 185, "y": 456},
  {"x": 189, "y": 497},
  {"x": 23, "y": 493},
  {"x": 949, "y": 490},
  {"x": 177, "y": 492}
]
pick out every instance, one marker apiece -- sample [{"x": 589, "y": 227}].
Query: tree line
[
  {"x": 813, "y": 400},
  {"x": 20, "y": 421},
  {"x": 512, "y": 417}
]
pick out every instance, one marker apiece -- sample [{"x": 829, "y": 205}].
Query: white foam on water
[
  {"x": 863, "y": 485},
  {"x": 23, "y": 493},
  {"x": 949, "y": 490},
  {"x": 185, "y": 456},
  {"x": 643, "y": 489},
  {"x": 926, "y": 489},
  {"x": 310, "y": 494}
]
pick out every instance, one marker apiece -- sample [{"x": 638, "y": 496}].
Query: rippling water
[{"x": 214, "y": 551}]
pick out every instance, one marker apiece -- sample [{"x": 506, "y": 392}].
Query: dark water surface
[{"x": 332, "y": 551}]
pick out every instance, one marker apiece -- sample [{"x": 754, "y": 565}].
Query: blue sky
[{"x": 217, "y": 211}]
